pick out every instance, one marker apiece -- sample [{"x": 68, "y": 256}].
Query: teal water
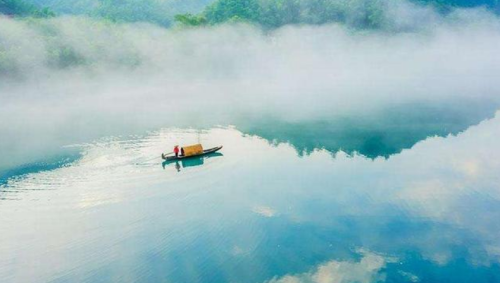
[{"x": 267, "y": 208}]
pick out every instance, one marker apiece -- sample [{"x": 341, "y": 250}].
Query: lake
[{"x": 281, "y": 202}]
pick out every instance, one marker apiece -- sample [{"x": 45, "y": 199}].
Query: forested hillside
[
  {"x": 356, "y": 13},
  {"x": 266, "y": 13},
  {"x": 159, "y": 12}
]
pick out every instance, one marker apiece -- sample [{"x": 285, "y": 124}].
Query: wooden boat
[{"x": 205, "y": 152}]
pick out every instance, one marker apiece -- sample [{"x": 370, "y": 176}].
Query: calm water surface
[{"x": 260, "y": 211}]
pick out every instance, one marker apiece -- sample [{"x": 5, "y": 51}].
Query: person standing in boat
[{"x": 176, "y": 151}]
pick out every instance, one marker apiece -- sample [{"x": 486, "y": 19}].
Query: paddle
[
  {"x": 147, "y": 160},
  {"x": 163, "y": 154}
]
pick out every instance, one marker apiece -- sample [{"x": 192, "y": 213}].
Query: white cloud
[
  {"x": 265, "y": 211},
  {"x": 366, "y": 270}
]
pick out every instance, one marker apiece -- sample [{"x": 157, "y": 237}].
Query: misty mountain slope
[
  {"x": 21, "y": 8},
  {"x": 463, "y": 3},
  {"x": 69, "y": 6},
  {"x": 9, "y": 7}
]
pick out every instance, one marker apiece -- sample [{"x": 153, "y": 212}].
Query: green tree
[
  {"x": 190, "y": 19},
  {"x": 233, "y": 10}
]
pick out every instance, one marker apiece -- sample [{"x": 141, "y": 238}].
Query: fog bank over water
[{"x": 71, "y": 79}]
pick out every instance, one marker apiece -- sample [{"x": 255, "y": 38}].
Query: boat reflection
[{"x": 190, "y": 162}]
